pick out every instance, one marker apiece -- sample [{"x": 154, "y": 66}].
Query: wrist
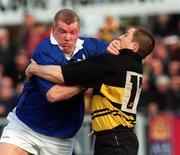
[{"x": 33, "y": 68}]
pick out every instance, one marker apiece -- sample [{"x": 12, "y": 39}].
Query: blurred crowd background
[{"x": 161, "y": 82}]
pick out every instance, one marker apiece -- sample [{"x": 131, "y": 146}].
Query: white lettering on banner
[
  {"x": 6, "y": 5},
  {"x": 12, "y": 11}
]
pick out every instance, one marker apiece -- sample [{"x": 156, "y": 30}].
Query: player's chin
[{"x": 66, "y": 50}]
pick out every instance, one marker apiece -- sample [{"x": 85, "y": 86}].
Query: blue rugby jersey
[{"x": 61, "y": 119}]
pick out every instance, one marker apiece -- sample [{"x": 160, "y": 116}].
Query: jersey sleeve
[
  {"x": 87, "y": 72},
  {"x": 96, "y": 47}
]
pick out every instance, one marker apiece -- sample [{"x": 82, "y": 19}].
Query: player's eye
[
  {"x": 62, "y": 31},
  {"x": 74, "y": 32}
]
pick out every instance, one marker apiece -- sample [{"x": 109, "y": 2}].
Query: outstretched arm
[{"x": 51, "y": 73}]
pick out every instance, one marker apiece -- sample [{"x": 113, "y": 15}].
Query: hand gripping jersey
[
  {"x": 117, "y": 84},
  {"x": 61, "y": 119}
]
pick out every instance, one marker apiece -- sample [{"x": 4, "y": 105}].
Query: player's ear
[{"x": 135, "y": 46}]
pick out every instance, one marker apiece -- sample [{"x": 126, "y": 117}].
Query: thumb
[{"x": 33, "y": 61}]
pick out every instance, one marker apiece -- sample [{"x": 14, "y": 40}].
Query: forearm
[
  {"x": 51, "y": 73},
  {"x": 62, "y": 92}
]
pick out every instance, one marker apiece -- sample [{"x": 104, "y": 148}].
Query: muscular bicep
[{"x": 61, "y": 92}]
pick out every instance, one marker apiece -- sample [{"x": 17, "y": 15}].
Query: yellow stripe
[
  {"x": 114, "y": 94},
  {"x": 111, "y": 120}
]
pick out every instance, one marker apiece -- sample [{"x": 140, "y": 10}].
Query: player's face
[
  {"x": 126, "y": 39},
  {"x": 66, "y": 35}
]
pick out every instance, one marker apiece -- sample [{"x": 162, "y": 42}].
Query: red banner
[{"x": 164, "y": 134}]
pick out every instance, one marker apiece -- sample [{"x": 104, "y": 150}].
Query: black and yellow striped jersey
[{"x": 117, "y": 83}]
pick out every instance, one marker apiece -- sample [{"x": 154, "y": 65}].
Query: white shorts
[{"x": 19, "y": 134}]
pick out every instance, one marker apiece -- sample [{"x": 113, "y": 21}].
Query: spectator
[
  {"x": 164, "y": 96},
  {"x": 18, "y": 66},
  {"x": 35, "y": 36},
  {"x": 162, "y": 25},
  {"x": 7, "y": 50},
  {"x": 175, "y": 88},
  {"x": 162, "y": 53},
  {"x": 26, "y": 29},
  {"x": 174, "y": 68},
  {"x": 147, "y": 95},
  {"x": 109, "y": 30},
  {"x": 173, "y": 45},
  {"x": 7, "y": 96},
  {"x": 157, "y": 67},
  {"x": 1, "y": 71}
]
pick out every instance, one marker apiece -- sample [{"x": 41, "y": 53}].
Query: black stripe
[
  {"x": 114, "y": 105},
  {"x": 101, "y": 110},
  {"x": 106, "y": 113},
  {"x": 117, "y": 105},
  {"x": 99, "y": 115},
  {"x": 115, "y": 114}
]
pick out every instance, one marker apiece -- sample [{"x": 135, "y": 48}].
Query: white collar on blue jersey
[{"x": 78, "y": 46}]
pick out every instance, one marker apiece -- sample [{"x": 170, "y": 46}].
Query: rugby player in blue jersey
[{"x": 41, "y": 124}]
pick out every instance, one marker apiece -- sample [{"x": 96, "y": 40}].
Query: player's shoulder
[
  {"x": 44, "y": 47},
  {"x": 44, "y": 43},
  {"x": 87, "y": 38},
  {"x": 91, "y": 40}
]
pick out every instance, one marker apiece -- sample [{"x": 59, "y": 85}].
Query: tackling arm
[
  {"x": 62, "y": 92},
  {"x": 51, "y": 73}
]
